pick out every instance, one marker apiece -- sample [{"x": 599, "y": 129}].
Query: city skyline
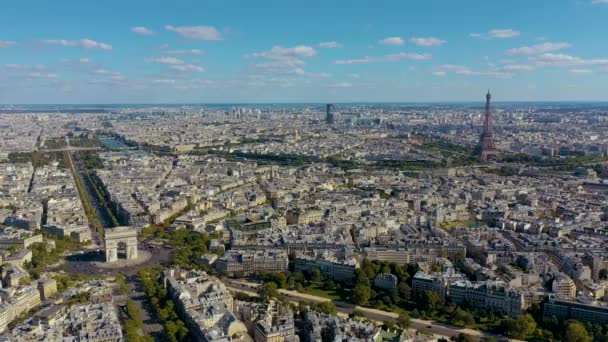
[{"x": 193, "y": 52}]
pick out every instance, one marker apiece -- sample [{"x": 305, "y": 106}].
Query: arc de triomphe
[{"x": 117, "y": 235}]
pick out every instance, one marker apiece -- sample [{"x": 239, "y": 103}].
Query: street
[
  {"x": 436, "y": 328},
  {"x": 85, "y": 263}
]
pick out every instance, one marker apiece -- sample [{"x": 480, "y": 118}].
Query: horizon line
[{"x": 302, "y": 103}]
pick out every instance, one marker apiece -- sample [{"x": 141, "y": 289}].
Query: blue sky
[{"x": 132, "y": 51}]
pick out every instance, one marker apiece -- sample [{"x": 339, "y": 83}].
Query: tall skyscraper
[
  {"x": 486, "y": 140},
  {"x": 329, "y": 116}
]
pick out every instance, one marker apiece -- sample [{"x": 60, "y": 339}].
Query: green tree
[
  {"x": 405, "y": 291},
  {"x": 464, "y": 338},
  {"x": 268, "y": 291},
  {"x": 298, "y": 277},
  {"x": 521, "y": 328},
  {"x": 122, "y": 285},
  {"x": 135, "y": 314},
  {"x": 370, "y": 269},
  {"x": 357, "y": 313},
  {"x": 598, "y": 332},
  {"x": 326, "y": 307},
  {"x": 603, "y": 274},
  {"x": 431, "y": 300},
  {"x": 361, "y": 278},
  {"x": 403, "y": 321},
  {"x": 316, "y": 277},
  {"x": 576, "y": 332},
  {"x": 361, "y": 294},
  {"x": 400, "y": 272},
  {"x": 462, "y": 318},
  {"x": 277, "y": 277}
]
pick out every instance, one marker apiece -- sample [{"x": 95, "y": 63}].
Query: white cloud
[
  {"x": 280, "y": 53},
  {"x": 284, "y": 59},
  {"x": 395, "y": 41},
  {"x": 387, "y": 58},
  {"x": 106, "y": 72},
  {"x": 452, "y": 67},
  {"x": 439, "y": 73},
  {"x": 354, "y": 75},
  {"x": 539, "y": 48},
  {"x": 595, "y": 2},
  {"x": 196, "y": 32},
  {"x": 297, "y": 71},
  {"x": 164, "y": 81},
  {"x": 185, "y": 52},
  {"x": 496, "y": 34},
  {"x": 552, "y": 59},
  {"x": 38, "y": 67},
  {"x": 430, "y": 41},
  {"x": 340, "y": 85},
  {"x": 188, "y": 68},
  {"x": 117, "y": 78},
  {"x": 165, "y": 60},
  {"x": 7, "y": 43},
  {"x": 503, "y": 33},
  {"x": 517, "y": 67},
  {"x": 82, "y": 43},
  {"x": 111, "y": 80},
  {"x": 330, "y": 45},
  {"x": 142, "y": 30},
  {"x": 466, "y": 71},
  {"x": 41, "y": 75},
  {"x": 581, "y": 71}
]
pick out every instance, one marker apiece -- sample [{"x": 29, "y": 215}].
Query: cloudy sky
[{"x": 153, "y": 51}]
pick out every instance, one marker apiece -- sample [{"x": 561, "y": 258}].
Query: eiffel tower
[{"x": 486, "y": 140}]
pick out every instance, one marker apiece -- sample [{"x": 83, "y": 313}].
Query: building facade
[
  {"x": 569, "y": 309},
  {"x": 248, "y": 262},
  {"x": 490, "y": 295}
]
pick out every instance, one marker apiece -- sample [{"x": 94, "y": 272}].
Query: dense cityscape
[
  {"x": 304, "y": 222},
  {"x": 303, "y": 171}
]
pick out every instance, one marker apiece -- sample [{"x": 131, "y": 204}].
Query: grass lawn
[
  {"x": 386, "y": 336},
  {"x": 338, "y": 293},
  {"x": 460, "y": 224}
]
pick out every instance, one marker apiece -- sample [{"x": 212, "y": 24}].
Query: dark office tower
[
  {"x": 486, "y": 140},
  {"x": 329, "y": 116}
]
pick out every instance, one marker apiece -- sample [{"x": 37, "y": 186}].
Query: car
[{"x": 342, "y": 304}]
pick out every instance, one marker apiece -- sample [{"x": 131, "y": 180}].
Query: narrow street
[
  {"x": 102, "y": 214},
  {"x": 81, "y": 263},
  {"x": 436, "y": 328},
  {"x": 77, "y": 174},
  {"x": 152, "y": 325}
]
